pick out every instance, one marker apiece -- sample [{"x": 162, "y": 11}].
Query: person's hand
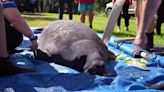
[{"x": 34, "y": 45}]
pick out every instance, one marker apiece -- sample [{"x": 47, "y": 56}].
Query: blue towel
[{"x": 56, "y": 78}]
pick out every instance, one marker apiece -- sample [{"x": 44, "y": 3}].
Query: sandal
[
  {"x": 138, "y": 49},
  {"x": 137, "y": 54},
  {"x": 7, "y": 68}
]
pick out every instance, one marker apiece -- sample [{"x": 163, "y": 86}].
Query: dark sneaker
[
  {"x": 7, "y": 68},
  {"x": 127, "y": 29},
  {"x": 150, "y": 41},
  {"x": 90, "y": 26}
]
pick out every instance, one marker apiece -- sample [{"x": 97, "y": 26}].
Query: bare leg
[
  {"x": 145, "y": 24},
  {"x": 149, "y": 9},
  {"x": 138, "y": 10},
  {"x": 3, "y": 44},
  {"x": 90, "y": 17},
  {"x": 61, "y": 9},
  {"x": 82, "y": 17},
  {"x": 6, "y": 67}
]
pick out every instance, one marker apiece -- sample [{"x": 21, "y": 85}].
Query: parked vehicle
[{"x": 109, "y": 6}]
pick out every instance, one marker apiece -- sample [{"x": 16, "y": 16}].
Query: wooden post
[{"x": 3, "y": 43}]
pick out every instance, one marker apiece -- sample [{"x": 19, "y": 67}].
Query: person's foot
[
  {"x": 127, "y": 29},
  {"x": 118, "y": 29},
  {"x": 7, "y": 68},
  {"x": 159, "y": 35},
  {"x": 90, "y": 26},
  {"x": 138, "y": 49}
]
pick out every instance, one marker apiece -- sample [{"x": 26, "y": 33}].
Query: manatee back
[
  {"x": 73, "y": 44},
  {"x": 61, "y": 33}
]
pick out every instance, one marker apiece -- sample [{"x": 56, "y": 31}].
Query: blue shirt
[
  {"x": 8, "y": 4},
  {"x": 32, "y": 1}
]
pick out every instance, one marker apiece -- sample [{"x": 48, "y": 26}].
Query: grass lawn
[{"x": 99, "y": 23}]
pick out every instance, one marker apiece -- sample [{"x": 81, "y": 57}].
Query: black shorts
[{"x": 13, "y": 37}]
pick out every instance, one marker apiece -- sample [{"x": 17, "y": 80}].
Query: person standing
[
  {"x": 13, "y": 17},
  {"x": 146, "y": 11},
  {"x": 62, "y": 8},
  {"x": 125, "y": 15},
  {"x": 160, "y": 18},
  {"x": 32, "y": 5},
  {"x": 86, "y": 6}
]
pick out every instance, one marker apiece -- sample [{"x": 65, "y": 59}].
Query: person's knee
[
  {"x": 90, "y": 13},
  {"x": 82, "y": 14},
  {"x": 14, "y": 39}
]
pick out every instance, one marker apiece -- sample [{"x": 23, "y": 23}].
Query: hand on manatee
[{"x": 34, "y": 45}]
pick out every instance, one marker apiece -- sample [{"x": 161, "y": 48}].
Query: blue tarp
[{"x": 56, "y": 78}]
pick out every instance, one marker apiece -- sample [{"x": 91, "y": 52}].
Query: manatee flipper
[{"x": 40, "y": 55}]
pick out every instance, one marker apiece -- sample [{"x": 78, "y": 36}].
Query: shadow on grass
[
  {"x": 40, "y": 18},
  {"x": 33, "y": 14},
  {"x": 161, "y": 35},
  {"x": 118, "y": 34},
  {"x": 98, "y": 31},
  {"x": 121, "y": 34}
]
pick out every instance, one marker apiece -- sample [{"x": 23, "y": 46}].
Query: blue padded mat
[{"x": 56, "y": 78}]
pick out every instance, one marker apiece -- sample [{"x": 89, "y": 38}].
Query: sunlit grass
[{"x": 99, "y": 24}]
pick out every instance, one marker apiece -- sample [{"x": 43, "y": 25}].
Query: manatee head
[
  {"x": 96, "y": 64},
  {"x": 98, "y": 67}
]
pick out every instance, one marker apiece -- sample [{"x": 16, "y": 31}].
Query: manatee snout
[{"x": 97, "y": 67}]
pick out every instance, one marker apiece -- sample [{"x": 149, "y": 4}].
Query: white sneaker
[{"x": 118, "y": 29}]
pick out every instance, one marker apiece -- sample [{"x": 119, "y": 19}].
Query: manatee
[{"x": 74, "y": 45}]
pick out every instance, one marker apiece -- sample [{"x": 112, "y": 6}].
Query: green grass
[{"x": 99, "y": 24}]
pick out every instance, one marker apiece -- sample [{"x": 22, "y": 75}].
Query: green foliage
[{"x": 101, "y": 4}]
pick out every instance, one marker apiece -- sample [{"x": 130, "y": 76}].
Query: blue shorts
[{"x": 85, "y": 7}]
